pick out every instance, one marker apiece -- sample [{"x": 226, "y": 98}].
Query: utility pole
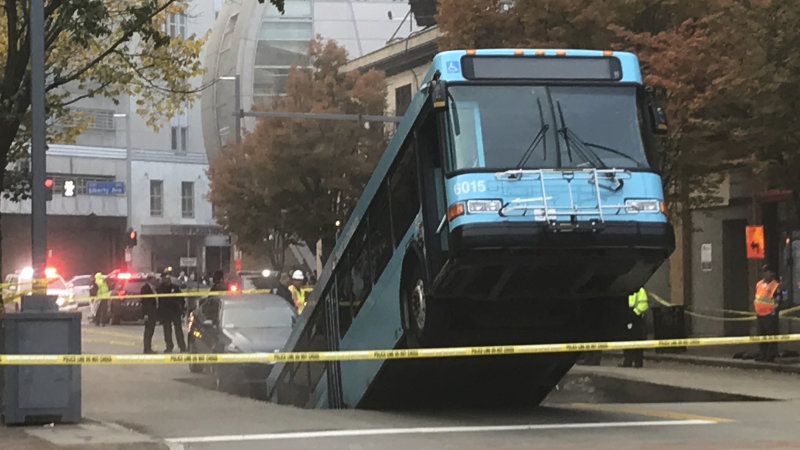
[
  {"x": 38, "y": 147},
  {"x": 237, "y": 105}
]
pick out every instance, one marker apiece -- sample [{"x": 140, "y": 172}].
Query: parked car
[
  {"x": 239, "y": 324},
  {"x": 21, "y": 283},
  {"x": 79, "y": 287},
  {"x": 128, "y": 309},
  {"x": 248, "y": 280}
]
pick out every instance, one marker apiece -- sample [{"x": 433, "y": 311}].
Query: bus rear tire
[{"x": 424, "y": 317}]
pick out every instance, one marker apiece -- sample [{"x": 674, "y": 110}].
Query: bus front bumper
[
  {"x": 537, "y": 235},
  {"x": 525, "y": 261}
]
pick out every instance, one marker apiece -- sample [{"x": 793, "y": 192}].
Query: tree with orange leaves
[{"x": 293, "y": 179}]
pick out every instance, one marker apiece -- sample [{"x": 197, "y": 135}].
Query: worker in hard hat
[{"x": 298, "y": 281}]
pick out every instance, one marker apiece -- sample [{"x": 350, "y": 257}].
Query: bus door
[{"x": 431, "y": 190}]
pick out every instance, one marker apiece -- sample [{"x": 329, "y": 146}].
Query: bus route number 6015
[{"x": 465, "y": 187}]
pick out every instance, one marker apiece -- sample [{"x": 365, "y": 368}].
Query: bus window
[
  {"x": 362, "y": 281},
  {"x": 353, "y": 279},
  {"x": 466, "y": 138},
  {"x": 343, "y": 299},
  {"x": 404, "y": 196},
  {"x": 380, "y": 232}
]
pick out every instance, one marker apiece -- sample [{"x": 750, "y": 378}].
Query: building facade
[{"x": 168, "y": 188}]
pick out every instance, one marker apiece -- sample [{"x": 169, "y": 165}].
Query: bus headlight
[
  {"x": 484, "y": 206},
  {"x": 636, "y": 206}
]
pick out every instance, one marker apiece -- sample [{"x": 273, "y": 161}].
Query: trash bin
[
  {"x": 41, "y": 394},
  {"x": 669, "y": 323}
]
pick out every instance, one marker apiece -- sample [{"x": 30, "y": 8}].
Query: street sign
[
  {"x": 755, "y": 241},
  {"x": 128, "y": 254},
  {"x": 188, "y": 261},
  {"x": 105, "y": 187},
  {"x": 705, "y": 257}
]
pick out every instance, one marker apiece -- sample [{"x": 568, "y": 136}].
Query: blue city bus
[{"x": 518, "y": 202}]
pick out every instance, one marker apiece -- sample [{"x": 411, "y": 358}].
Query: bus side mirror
[
  {"x": 438, "y": 90},
  {"x": 656, "y": 112},
  {"x": 658, "y": 119}
]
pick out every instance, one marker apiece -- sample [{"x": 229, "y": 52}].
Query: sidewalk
[{"x": 722, "y": 356}]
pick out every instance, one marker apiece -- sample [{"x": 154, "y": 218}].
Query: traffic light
[
  {"x": 132, "y": 238},
  {"x": 49, "y": 183}
]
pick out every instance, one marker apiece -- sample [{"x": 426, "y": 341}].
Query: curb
[{"x": 726, "y": 362}]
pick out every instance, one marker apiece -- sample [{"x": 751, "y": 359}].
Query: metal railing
[{"x": 542, "y": 206}]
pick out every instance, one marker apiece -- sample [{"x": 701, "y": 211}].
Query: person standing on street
[
  {"x": 297, "y": 289},
  {"x": 101, "y": 290},
  {"x": 282, "y": 288},
  {"x": 766, "y": 304},
  {"x": 150, "y": 312},
  {"x": 636, "y": 330},
  {"x": 217, "y": 282},
  {"x": 170, "y": 311}
]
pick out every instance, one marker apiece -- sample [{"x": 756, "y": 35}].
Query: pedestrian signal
[
  {"x": 69, "y": 188},
  {"x": 755, "y": 242}
]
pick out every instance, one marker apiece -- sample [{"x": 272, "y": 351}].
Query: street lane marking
[
  {"x": 110, "y": 342},
  {"x": 429, "y": 430},
  {"x": 632, "y": 410},
  {"x": 112, "y": 333}
]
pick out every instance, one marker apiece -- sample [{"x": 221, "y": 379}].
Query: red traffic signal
[
  {"x": 133, "y": 238},
  {"x": 49, "y": 183}
]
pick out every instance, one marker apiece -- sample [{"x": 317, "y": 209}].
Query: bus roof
[{"x": 449, "y": 63}]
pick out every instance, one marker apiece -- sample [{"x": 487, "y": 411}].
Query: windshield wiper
[
  {"x": 616, "y": 152},
  {"x": 540, "y": 137},
  {"x": 456, "y": 122},
  {"x": 571, "y": 138}
]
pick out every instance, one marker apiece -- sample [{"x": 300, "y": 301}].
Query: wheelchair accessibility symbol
[{"x": 453, "y": 67}]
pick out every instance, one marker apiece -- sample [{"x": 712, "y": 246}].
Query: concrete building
[
  {"x": 168, "y": 187},
  {"x": 257, "y": 43}
]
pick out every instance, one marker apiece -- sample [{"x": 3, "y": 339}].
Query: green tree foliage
[{"x": 298, "y": 177}]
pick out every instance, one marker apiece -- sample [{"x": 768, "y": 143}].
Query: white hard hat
[{"x": 298, "y": 275}]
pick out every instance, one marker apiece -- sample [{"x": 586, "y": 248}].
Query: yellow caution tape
[
  {"x": 375, "y": 355},
  {"x": 747, "y": 315}
]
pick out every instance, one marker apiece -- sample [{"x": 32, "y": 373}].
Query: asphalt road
[{"x": 662, "y": 406}]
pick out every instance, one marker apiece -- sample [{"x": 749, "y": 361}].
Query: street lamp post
[
  {"x": 128, "y": 173},
  {"x": 237, "y": 105},
  {"x": 38, "y": 144}
]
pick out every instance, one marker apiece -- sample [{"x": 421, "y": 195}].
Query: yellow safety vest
[
  {"x": 102, "y": 288},
  {"x": 299, "y": 298},
  {"x": 638, "y": 302},
  {"x": 764, "y": 303}
]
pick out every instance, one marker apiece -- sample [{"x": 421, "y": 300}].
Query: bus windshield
[{"x": 491, "y": 127}]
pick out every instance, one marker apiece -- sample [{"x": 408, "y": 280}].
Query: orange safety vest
[{"x": 764, "y": 302}]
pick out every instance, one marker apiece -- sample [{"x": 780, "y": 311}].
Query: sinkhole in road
[{"x": 597, "y": 388}]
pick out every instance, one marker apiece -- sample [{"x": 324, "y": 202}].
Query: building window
[
  {"x": 180, "y": 134},
  {"x": 402, "y": 98},
  {"x": 282, "y": 42},
  {"x": 99, "y": 119},
  {"x": 187, "y": 199},
  {"x": 176, "y": 26},
  {"x": 156, "y": 198}
]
